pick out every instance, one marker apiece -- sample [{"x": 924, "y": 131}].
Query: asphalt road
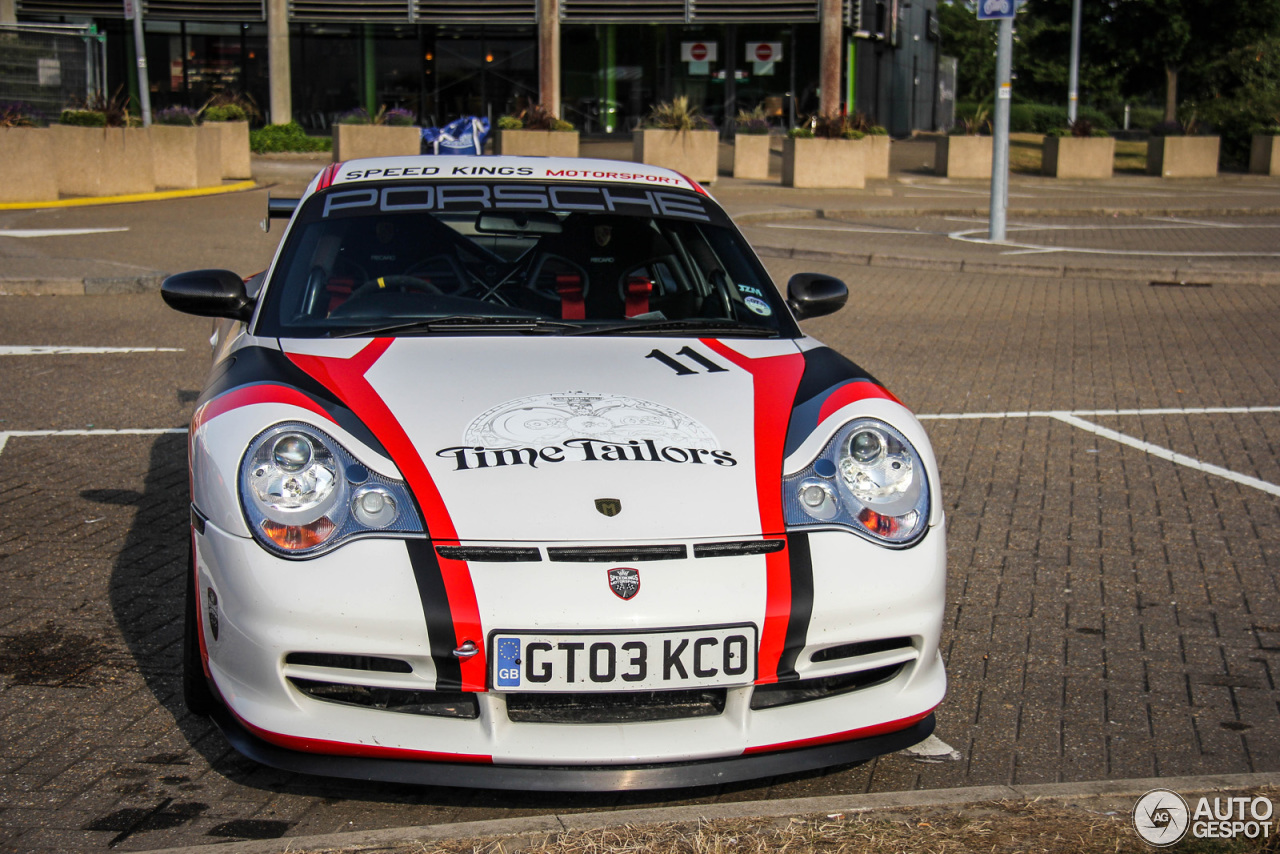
[{"x": 1113, "y": 611}]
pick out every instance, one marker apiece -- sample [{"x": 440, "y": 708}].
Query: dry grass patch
[{"x": 998, "y": 827}]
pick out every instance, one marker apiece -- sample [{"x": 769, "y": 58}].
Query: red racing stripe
[
  {"x": 345, "y": 378},
  {"x": 326, "y": 177},
  {"x": 852, "y": 393},
  {"x": 249, "y": 395},
  {"x": 365, "y": 751},
  {"x": 775, "y": 381},
  {"x": 847, "y": 735}
]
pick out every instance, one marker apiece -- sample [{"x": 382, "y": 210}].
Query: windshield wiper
[
  {"x": 686, "y": 325},
  {"x": 468, "y": 322}
]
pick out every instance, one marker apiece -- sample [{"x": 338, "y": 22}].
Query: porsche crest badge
[{"x": 609, "y": 506}]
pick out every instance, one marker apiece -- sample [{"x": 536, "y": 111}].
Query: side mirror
[
  {"x": 814, "y": 295},
  {"x": 208, "y": 293}
]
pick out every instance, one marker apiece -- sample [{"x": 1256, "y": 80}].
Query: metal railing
[{"x": 51, "y": 66}]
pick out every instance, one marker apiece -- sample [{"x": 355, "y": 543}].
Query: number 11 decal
[{"x": 692, "y": 355}]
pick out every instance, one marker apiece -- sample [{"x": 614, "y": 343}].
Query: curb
[
  {"x": 80, "y": 287},
  {"x": 847, "y": 804},
  {"x": 750, "y": 217},
  {"x": 1145, "y": 275},
  {"x": 161, "y": 195}
]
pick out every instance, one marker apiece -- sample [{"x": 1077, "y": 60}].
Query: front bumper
[
  {"x": 361, "y": 600},
  {"x": 550, "y": 778}
]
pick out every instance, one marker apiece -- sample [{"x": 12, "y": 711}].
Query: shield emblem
[
  {"x": 624, "y": 582},
  {"x": 609, "y": 506}
]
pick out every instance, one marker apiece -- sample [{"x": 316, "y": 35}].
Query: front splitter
[{"x": 574, "y": 778}]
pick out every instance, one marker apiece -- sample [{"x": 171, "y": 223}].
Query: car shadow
[{"x": 146, "y": 598}]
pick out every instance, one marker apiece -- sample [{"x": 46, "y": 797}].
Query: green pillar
[
  {"x": 851, "y": 71},
  {"x": 370, "y": 72}
]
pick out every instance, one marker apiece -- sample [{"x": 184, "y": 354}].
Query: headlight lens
[
  {"x": 303, "y": 493},
  {"x": 869, "y": 479}
]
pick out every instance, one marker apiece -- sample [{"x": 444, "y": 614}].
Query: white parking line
[
  {"x": 81, "y": 351},
  {"x": 22, "y": 434},
  {"x": 55, "y": 232},
  {"x": 1073, "y": 418},
  {"x": 969, "y": 236},
  {"x": 1166, "y": 454},
  {"x": 867, "y": 229}
]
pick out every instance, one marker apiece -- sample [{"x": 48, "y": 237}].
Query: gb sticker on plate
[{"x": 508, "y": 663}]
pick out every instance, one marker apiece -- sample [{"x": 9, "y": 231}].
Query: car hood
[{"x": 574, "y": 438}]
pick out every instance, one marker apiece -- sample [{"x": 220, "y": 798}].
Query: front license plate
[{"x": 719, "y": 656}]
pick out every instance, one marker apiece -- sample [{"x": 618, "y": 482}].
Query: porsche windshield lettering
[
  {"x": 478, "y": 197},
  {"x": 583, "y": 450}
]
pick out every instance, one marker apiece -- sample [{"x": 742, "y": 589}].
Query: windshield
[{"x": 516, "y": 257}]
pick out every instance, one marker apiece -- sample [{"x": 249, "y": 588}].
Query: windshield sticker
[
  {"x": 759, "y": 306},
  {"x": 750, "y": 289},
  {"x": 482, "y": 171},
  {"x": 479, "y": 197},
  {"x": 583, "y": 427}
]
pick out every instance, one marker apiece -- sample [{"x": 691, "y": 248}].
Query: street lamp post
[{"x": 1073, "y": 81}]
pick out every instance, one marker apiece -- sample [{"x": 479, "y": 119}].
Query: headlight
[
  {"x": 869, "y": 479},
  {"x": 303, "y": 493}
]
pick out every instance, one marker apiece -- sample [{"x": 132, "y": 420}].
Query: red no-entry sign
[
  {"x": 764, "y": 51},
  {"x": 698, "y": 51}
]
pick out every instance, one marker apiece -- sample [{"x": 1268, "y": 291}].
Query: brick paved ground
[{"x": 1110, "y": 614}]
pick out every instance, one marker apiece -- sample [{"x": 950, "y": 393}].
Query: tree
[
  {"x": 1187, "y": 40},
  {"x": 1043, "y": 56},
  {"x": 973, "y": 44}
]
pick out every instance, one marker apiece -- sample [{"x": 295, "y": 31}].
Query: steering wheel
[{"x": 400, "y": 283}]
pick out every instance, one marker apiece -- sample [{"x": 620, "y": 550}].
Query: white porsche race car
[{"x": 519, "y": 473}]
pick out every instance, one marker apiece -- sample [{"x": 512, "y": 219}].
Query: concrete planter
[
  {"x": 186, "y": 157},
  {"x": 538, "y": 143},
  {"x": 1264, "y": 157},
  {"x": 1078, "y": 157},
  {"x": 27, "y": 171},
  {"x": 751, "y": 155},
  {"x": 1183, "y": 156},
  {"x": 832, "y": 163},
  {"x": 235, "y": 148},
  {"x": 694, "y": 153},
  {"x": 963, "y": 157},
  {"x": 877, "y": 155},
  {"x": 102, "y": 161},
  {"x": 353, "y": 141}
]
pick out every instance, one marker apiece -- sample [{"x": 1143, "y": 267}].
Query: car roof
[{"x": 462, "y": 168}]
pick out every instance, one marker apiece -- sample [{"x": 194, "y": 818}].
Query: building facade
[{"x": 446, "y": 58}]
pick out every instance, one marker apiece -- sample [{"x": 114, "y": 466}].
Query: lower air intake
[
  {"x": 438, "y": 704},
  {"x": 807, "y": 690},
  {"x": 615, "y": 707}
]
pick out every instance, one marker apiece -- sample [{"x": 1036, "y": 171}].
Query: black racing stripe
[
  {"x": 824, "y": 368},
  {"x": 801, "y": 605},
  {"x": 435, "y": 608},
  {"x": 261, "y": 364}
]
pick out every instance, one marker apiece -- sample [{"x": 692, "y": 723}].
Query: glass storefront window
[{"x": 191, "y": 62}]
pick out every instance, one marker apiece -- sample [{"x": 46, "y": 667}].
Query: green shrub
[
  {"x": 509, "y": 123},
  {"x": 677, "y": 114},
  {"x": 225, "y": 113},
  {"x": 801, "y": 132},
  {"x": 290, "y": 137},
  {"x": 83, "y": 118},
  {"x": 1033, "y": 118}
]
